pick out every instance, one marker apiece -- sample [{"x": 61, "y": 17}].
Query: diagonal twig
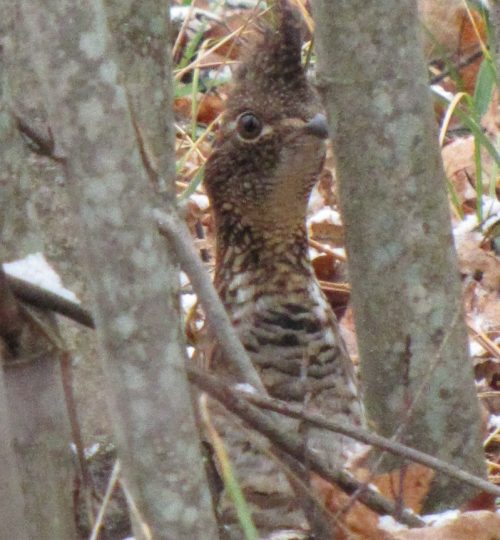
[
  {"x": 292, "y": 444},
  {"x": 370, "y": 438},
  {"x": 179, "y": 237}
]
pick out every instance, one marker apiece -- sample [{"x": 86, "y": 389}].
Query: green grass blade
[
  {"x": 193, "y": 185},
  {"x": 485, "y": 83}
]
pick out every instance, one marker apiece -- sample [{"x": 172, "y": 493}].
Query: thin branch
[
  {"x": 42, "y": 144},
  {"x": 11, "y": 323},
  {"x": 42, "y": 298},
  {"x": 370, "y": 438},
  {"x": 113, "y": 479},
  {"x": 463, "y": 63},
  {"x": 292, "y": 444},
  {"x": 179, "y": 237}
]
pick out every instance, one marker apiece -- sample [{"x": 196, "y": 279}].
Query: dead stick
[
  {"x": 42, "y": 298},
  {"x": 178, "y": 235},
  {"x": 292, "y": 444},
  {"x": 373, "y": 439}
]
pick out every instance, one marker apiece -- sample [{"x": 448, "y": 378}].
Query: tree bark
[
  {"x": 495, "y": 36},
  {"x": 406, "y": 293},
  {"x": 36, "y": 486},
  {"x": 12, "y": 518},
  {"x": 135, "y": 284},
  {"x": 140, "y": 37}
]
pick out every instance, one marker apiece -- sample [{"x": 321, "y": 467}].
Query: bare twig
[
  {"x": 371, "y": 438},
  {"x": 113, "y": 479},
  {"x": 326, "y": 249},
  {"x": 41, "y": 143},
  {"x": 178, "y": 235},
  {"x": 292, "y": 444},
  {"x": 10, "y": 315},
  {"x": 42, "y": 298},
  {"x": 76, "y": 432},
  {"x": 463, "y": 63}
]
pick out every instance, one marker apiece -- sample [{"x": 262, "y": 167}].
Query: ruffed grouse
[{"x": 264, "y": 164}]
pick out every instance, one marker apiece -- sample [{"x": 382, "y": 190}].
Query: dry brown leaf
[
  {"x": 232, "y": 49},
  {"x": 360, "y": 522},
  {"x": 440, "y": 18},
  {"x": 476, "y": 261},
  {"x": 450, "y": 25},
  {"x": 410, "y": 485},
  {"x": 328, "y": 230},
  {"x": 209, "y": 107},
  {"x": 458, "y": 161},
  {"x": 480, "y": 525}
]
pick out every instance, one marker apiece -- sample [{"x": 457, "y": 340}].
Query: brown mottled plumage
[{"x": 264, "y": 164}]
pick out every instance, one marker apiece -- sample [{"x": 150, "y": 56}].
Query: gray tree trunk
[
  {"x": 406, "y": 293},
  {"x": 36, "y": 485},
  {"x": 134, "y": 282},
  {"x": 12, "y": 519},
  {"x": 495, "y": 36}
]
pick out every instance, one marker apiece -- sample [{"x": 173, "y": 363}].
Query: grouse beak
[{"x": 317, "y": 126}]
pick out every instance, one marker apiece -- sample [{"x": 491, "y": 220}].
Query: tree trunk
[
  {"x": 134, "y": 282},
  {"x": 406, "y": 293},
  {"x": 495, "y": 36},
  {"x": 12, "y": 518},
  {"x": 36, "y": 487}
]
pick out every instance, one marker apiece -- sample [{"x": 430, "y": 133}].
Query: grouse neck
[{"x": 250, "y": 247}]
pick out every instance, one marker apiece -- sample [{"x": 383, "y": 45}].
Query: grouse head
[{"x": 270, "y": 146}]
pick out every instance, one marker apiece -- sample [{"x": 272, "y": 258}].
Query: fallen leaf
[
  {"x": 354, "y": 520},
  {"x": 480, "y": 525}
]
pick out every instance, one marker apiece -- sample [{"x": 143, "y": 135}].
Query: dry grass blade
[{"x": 113, "y": 479}]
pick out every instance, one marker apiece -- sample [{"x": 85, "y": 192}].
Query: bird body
[{"x": 265, "y": 162}]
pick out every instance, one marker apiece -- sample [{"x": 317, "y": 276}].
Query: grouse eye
[{"x": 249, "y": 126}]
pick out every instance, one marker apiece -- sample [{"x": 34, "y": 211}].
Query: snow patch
[
  {"x": 35, "y": 269},
  {"x": 491, "y": 213},
  {"x": 442, "y": 518},
  {"x": 316, "y": 201},
  {"x": 245, "y": 387},
  {"x": 441, "y": 92},
  {"x": 475, "y": 349},
  {"x": 494, "y": 422},
  {"x": 389, "y": 524},
  {"x": 326, "y": 215},
  {"x": 184, "y": 279},
  {"x": 200, "y": 200},
  {"x": 467, "y": 225},
  {"x": 188, "y": 301}
]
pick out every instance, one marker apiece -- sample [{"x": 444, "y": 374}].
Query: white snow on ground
[
  {"x": 442, "y": 518},
  {"x": 187, "y": 301},
  {"x": 245, "y": 387},
  {"x": 200, "y": 200},
  {"x": 475, "y": 349},
  {"x": 468, "y": 224},
  {"x": 326, "y": 215},
  {"x": 494, "y": 421},
  {"x": 35, "y": 269},
  {"x": 184, "y": 279},
  {"x": 389, "y": 524},
  {"x": 491, "y": 213}
]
